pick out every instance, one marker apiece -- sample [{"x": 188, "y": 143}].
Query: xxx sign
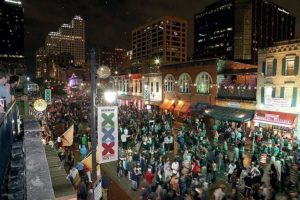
[{"x": 108, "y": 133}]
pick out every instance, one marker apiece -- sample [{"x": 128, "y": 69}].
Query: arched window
[
  {"x": 185, "y": 82},
  {"x": 169, "y": 83},
  {"x": 203, "y": 82}
]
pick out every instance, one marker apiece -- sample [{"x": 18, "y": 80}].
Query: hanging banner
[
  {"x": 48, "y": 96},
  {"x": 108, "y": 133},
  {"x": 67, "y": 137}
]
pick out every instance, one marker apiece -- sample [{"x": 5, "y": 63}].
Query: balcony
[
  {"x": 237, "y": 92},
  {"x": 24, "y": 172}
]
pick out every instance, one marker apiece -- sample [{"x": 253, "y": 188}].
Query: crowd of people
[
  {"x": 205, "y": 156},
  {"x": 63, "y": 113},
  {"x": 164, "y": 159}
]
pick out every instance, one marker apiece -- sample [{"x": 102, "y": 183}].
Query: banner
[
  {"x": 67, "y": 137},
  {"x": 108, "y": 133},
  {"x": 48, "y": 96},
  {"x": 282, "y": 102}
]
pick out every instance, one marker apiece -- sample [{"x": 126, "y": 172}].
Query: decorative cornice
[{"x": 282, "y": 48}]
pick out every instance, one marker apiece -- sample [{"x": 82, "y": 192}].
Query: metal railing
[
  {"x": 8, "y": 128},
  {"x": 237, "y": 93}
]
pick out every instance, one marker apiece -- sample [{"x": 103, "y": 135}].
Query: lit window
[
  {"x": 288, "y": 93},
  {"x": 185, "y": 83},
  {"x": 290, "y": 63},
  {"x": 169, "y": 83},
  {"x": 268, "y": 92},
  {"x": 203, "y": 82},
  {"x": 269, "y": 68}
]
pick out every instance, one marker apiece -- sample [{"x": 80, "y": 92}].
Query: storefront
[
  {"x": 130, "y": 101},
  {"x": 281, "y": 124}
]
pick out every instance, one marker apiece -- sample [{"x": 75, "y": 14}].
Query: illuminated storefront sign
[{"x": 275, "y": 118}]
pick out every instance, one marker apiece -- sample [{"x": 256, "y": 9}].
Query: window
[
  {"x": 126, "y": 85},
  {"x": 269, "y": 68},
  {"x": 136, "y": 86},
  {"x": 169, "y": 83},
  {"x": 288, "y": 93},
  {"x": 157, "y": 86},
  {"x": 290, "y": 63},
  {"x": 121, "y": 85},
  {"x": 151, "y": 87},
  {"x": 268, "y": 92},
  {"x": 185, "y": 83},
  {"x": 141, "y": 86},
  {"x": 203, "y": 82}
]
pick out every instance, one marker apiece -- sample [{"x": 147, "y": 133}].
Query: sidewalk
[{"x": 125, "y": 185}]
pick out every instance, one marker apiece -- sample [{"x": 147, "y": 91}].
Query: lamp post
[
  {"x": 102, "y": 72},
  {"x": 93, "y": 116}
]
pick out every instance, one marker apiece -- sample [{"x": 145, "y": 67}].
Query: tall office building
[
  {"x": 114, "y": 58},
  {"x": 67, "y": 45},
  {"x": 70, "y": 38},
  {"x": 11, "y": 32},
  {"x": 236, "y": 29},
  {"x": 163, "y": 39}
]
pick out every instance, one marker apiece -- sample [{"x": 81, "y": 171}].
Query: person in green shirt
[
  {"x": 225, "y": 147},
  {"x": 275, "y": 151},
  {"x": 83, "y": 140},
  {"x": 236, "y": 153},
  {"x": 253, "y": 145},
  {"x": 203, "y": 133}
]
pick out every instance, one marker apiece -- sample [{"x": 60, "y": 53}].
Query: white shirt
[
  {"x": 231, "y": 168},
  {"x": 170, "y": 139},
  {"x": 123, "y": 138},
  {"x": 175, "y": 167},
  {"x": 166, "y": 140},
  {"x": 126, "y": 131},
  {"x": 58, "y": 139}
]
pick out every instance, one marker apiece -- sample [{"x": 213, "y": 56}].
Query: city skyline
[{"x": 119, "y": 19}]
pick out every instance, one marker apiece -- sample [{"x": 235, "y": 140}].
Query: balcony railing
[
  {"x": 8, "y": 128},
  {"x": 238, "y": 93}
]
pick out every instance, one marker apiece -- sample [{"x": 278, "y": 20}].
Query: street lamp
[
  {"x": 102, "y": 72},
  {"x": 157, "y": 61},
  {"x": 110, "y": 96}
]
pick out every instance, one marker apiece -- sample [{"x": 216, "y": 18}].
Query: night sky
[{"x": 109, "y": 23}]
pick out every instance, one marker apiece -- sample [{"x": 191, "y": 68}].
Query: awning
[
  {"x": 163, "y": 105},
  {"x": 155, "y": 103},
  {"x": 186, "y": 108},
  {"x": 275, "y": 118},
  {"x": 179, "y": 106},
  {"x": 167, "y": 105},
  {"x": 229, "y": 114}
]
